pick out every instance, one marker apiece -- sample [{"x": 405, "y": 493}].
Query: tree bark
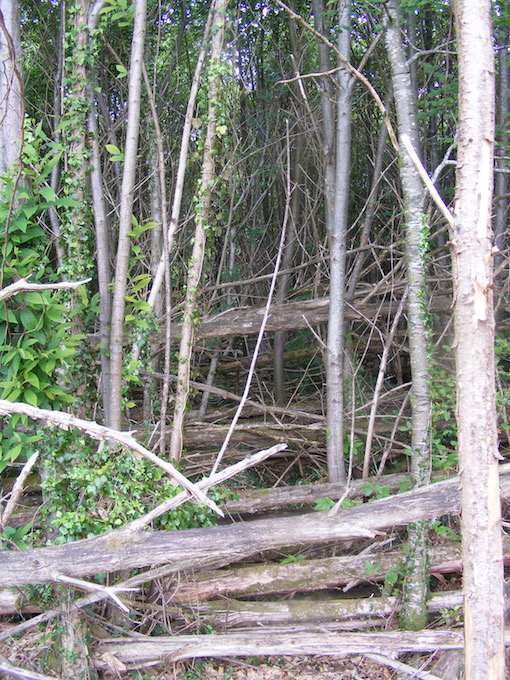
[
  {"x": 414, "y": 612},
  {"x": 337, "y": 245},
  {"x": 474, "y": 331},
  {"x": 11, "y": 87},
  {"x": 126, "y": 207},
  {"x": 180, "y": 647},
  {"x": 196, "y": 261}
]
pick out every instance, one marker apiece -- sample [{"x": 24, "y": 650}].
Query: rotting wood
[
  {"x": 170, "y": 649},
  {"x": 296, "y": 315},
  {"x": 239, "y": 321},
  {"x": 260, "y": 500},
  {"x": 123, "y": 549},
  {"x": 306, "y": 575},
  {"x": 226, "y": 614}
]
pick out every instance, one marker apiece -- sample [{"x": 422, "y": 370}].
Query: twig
[
  {"x": 17, "y": 490},
  {"x": 7, "y": 667},
  {"x": 206, "y": 483},
  {"x": 379, "y": 385},
  {"x": 402, "y": 667},
  {"x": 348, "y": 67},
  {"x": 87, "y": 586},
  {"x": 66, "y": 421},
  {"x": 434, "y": 193}
]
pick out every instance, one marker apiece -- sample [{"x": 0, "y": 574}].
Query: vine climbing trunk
[
  {"x": 126, "y": 208},
  {"x": 205, "y": 190},
  {"x": 474, "y": 331},
  {"x": 414, "y": 609}
]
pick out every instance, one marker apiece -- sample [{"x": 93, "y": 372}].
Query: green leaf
[
  {"x": 28, "y": 319},
  {"x": 30, "y": 397},
  {"x": 48, "y": 194}
]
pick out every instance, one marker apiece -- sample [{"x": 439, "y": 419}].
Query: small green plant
[
  {"x": 452, "y": 617},
  {"x": 292, "y": 559},
  {"x": 372, "y": 568},
  {"x": 375, "y": 491},
  {"x": 323, "y": 504},
  {"x": 392, "y": 579},
  {"x": 445, "y": 531}
]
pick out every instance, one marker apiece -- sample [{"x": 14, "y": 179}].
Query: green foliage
[
  {"x": 323, "y": 504},
  {"x": 35, "y": 343},
  {"x": 292, "y": 559},
  {"x": 375, "y": 491},
  {"x": 92, "y": 491},
  {"x": 502, "y": 350},
  {"x": 445, "y": 531},
  {"x": 393, "y": 576}
]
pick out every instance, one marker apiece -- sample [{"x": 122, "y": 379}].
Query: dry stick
[
  {"x": 379, "y": 385},
  {"x": 138, "y": 525},
  {"x": 348, "y": 67},
  {"x": 24, "y": 285},
  {"x": 17, "y": 490},
  {"x": 434, "y": 193},
  {"x": 402, "y": 667},
  {"x": 225, "y": 394},
  {"x": 7, "y": 667},
  {"x": 66, "y": 421},
  {"x": 264, "y": 320},
  {"x": 213, "y": 480}
]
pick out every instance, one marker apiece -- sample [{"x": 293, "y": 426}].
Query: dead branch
[{"x": 22, "y": 285}]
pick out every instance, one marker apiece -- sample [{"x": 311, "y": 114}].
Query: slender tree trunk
[
  {"x": 126, "y": 207},
  {"x": 197, "y": 257},
  {"x": 11, "y": 87},
  {"x": 102, "y": 227},
  {"x": 474, "y": 331},
  {"x": 337, "y": 238},
  {"x": 414, "y": 611},
  {"x": 501, "y": 182}
]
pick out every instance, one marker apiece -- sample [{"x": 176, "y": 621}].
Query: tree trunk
[
  {"x": 414, "y": 612},
  {"x": 11, "y": 87},
  {"x": 136, "y": 549},
  {"x": 337, "y": 237},
  {"x": 196, "y": 261},
  {"x": 474, "y": 331},
  {"x": 126, "y": 207}
]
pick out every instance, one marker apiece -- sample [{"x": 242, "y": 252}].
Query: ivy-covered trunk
[
  {"x": 202, "y": 208},
  {"x": 414, "y": 610}
]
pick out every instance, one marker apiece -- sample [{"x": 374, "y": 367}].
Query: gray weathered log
[
  {"x": 172, "y": 649},
  {"x": 307, "y": 575},
  {"x": 226, "y": 614},
  {"x": 123, "y": 549}
]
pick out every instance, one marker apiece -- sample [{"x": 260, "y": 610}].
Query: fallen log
[
  {"x": 261, "y": 500},
  {"x": 123, "y": 549},
  {"x": 111, "y": 654},
  {"x": 296, "y": 315},
  {"x": 224, "y": 615},
  {"x": 307, "y": 575}
]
